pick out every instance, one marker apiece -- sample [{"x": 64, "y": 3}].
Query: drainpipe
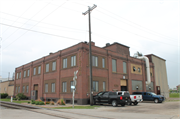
[{"x": 147, "y": 68}]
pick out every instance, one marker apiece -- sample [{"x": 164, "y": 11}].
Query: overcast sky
[{"x": 31, "y": 29}]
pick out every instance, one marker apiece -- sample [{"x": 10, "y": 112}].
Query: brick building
[{"x": 113, "y": 68}]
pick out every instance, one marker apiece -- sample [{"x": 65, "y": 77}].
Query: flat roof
[
  {"x": 156, "y": 56},
  {"x": 116, "y": 43}
]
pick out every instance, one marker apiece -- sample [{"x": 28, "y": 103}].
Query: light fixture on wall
[
  {"x": 137, "y": 87},
  {"x": 149, "y": 88}
]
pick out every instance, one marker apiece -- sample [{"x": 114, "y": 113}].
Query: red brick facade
[{"x": 112, "y": 80}]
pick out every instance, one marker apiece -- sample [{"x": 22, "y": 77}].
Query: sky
[{"x": 31, "y": 29}]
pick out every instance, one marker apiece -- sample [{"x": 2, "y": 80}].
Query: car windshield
[
  {"x": 100, "y": 93},
  {"x": 153, "y": 93}
]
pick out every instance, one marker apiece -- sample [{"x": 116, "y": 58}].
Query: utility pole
[{"x": 90, "y": 57}]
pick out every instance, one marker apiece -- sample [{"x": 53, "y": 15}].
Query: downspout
[{"x": 147, "y": 68}]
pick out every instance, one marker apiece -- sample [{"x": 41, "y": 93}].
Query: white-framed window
[
  {"x": 94, "y": 61},
  {"x": 65, "y": 63},
  {"x": 64, "y": 86},
  {"x": 34, "y": 71},
  {"x": 27, "y": 89},
  {"x": 53, "y": 87},
  {"x": 104, "y": 86},
  {"x": 19, "y": 89},
  {"x": 47, "y": 67},
  {"x": 73, "y": 61},
  {"x": 72, "y": 84},
  {"x": 24, "y": 73},
  {"x": 124, "y": 67},
  {"x": 28, "y": 72},
  {"x": 53, "y": 66},
  {"x": 23, "y": 89},
  {"x": 19, "y": 74},
  {"x": 113, "y": 65},
  {"x": 39, "y": 70},
  {"x": 103, "y": 63},
  {"x": 95, "y": 86},
  {"x": 46, "y": 88},
  {"x": 4, "y": 89}
]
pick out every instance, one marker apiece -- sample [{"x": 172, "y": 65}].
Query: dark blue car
[{"x": 150, "y": 96}]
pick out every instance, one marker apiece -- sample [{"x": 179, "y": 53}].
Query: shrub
[
  {"x": 51, "y": 102},
  {"x": 61, "y": 102},
  {"x": 41, "y": 103},
  {"x": 28, "y": 102},
  {"x": 37, "y": 102},
  {"x": 47, "y": 102},
  {"x": 21, "y": 96},
  {"x": 4, "y": 95},
  {"x": 14, "y": 98}
]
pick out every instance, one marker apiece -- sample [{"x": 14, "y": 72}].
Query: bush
[
  {"x": 14, "y": 98},
  {"x": 51, "y": 102},
  {"x": 4, "y": 95},
  {"x": 28, "y": 102},
  {"x": 21, "y": 96},
  {"x": 61, "y": 102},
  {"x": 39, "y": 100},
  {"x": 41, "y": 103},
  {"x": 37, "y": 103},
  {"x": 47, "y": 102}
]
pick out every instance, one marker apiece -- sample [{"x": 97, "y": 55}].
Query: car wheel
[
  {"x": 114, "y": 103},
  {"x": 123, "y": 104},
  {"x": 156, "y": 100},
  {"x": 135, "y": 103}
]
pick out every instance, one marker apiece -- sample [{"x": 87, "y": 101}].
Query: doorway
[
  {"x": 36, "y": 91},
  {"x": 123, "y": 85}
]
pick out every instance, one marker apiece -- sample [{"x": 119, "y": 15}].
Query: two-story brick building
[{"x": 113, "y": 68}]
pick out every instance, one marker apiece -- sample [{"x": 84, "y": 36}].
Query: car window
[
  {"x": 105, "y": 94},
  {"x": 112, "y": 93},
  {"x": 144, "y": 93},
  {"x": 149, "y": 94},
  {"x": 126, "y": 94},
  {"x": 119, "y": 93},
  {"x": 100, "y": 93}
]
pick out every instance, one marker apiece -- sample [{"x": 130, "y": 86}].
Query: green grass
[
  {"x": 77, "y": 107},
  {"x": 9, "y": 100},
  {"x": 174, "y": 95}
]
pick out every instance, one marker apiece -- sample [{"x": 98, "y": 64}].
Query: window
[
  {"x": 105, "y": 94},
  {"x": 72, "y": 84},
  {"x": 73, "y": 61},
  {"x": 104, "y": 85},
  {"x": 24, "y": 73},
  {"x": 16, "y": 89},
  {"x": 39, "y": 69},
  {"x": 4, "y": 89},
  {"x": 139, "y": 70},
  {"x": 103, "y": 63},
  {"x": 23, "y": 89},
  {"x": 47, "y": 67},
  {"x": 34, "y": 71},
  {"x": 113, "y": 65},
  {"x": 27, "y": 88},
  {"x": 94, "y": 61},
  {"x": 64, "y": 86},
  {"x": 46, "y": 88},
  {"x": 28, "y": 73},
  {"x": 19, "y": 74},
  {"x": 53, "y": 66},
  {"x": 134, "y": 69},
  {"x": 95, "y": 86},
  {"x": 19, "y": 89},
  {"x": 65, "y": 63},
  {"x": 53, "y": 87},
  {"x": 124, "y": 67}
]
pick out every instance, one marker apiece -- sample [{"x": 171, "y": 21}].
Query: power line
[
  {"x": 20, "y": 15},
  {"x": 137, "y": 27},
  {"x": 45, "y": 22},
  {"x": 37, "y": 32},
  {"x": 46, "y": 27},
  {"x": 134, "y": 33}
]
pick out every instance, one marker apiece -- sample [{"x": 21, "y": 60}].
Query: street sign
[{"x": 72, "y": 87}]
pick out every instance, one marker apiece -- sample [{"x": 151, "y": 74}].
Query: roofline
[
  {"x": 156, "y": 56},
  {"x": 116, "y": 43}
]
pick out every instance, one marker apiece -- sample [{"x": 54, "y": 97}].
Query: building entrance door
[
  {"x": 36, "y": 91},
  {"x": 158, "y": 90},
  {"x": 123, "y": 85}
]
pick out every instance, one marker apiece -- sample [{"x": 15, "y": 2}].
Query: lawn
[
  {"x": 9, "y": 100},
  {"x": 77, "y": 107},
  {"x": 174, "y": 95}
]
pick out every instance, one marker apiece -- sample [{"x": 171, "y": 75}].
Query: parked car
[
  {"x": 135, "y": 99},
  {"x": 150, "y": 96},
  {"x": 113, "y": 98}
]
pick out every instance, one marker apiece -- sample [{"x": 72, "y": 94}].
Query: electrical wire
[{"x": 37, "y": 32}]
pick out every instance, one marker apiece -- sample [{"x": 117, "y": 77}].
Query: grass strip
[
  {"x": 77, "y": 107},
  {"x": 174, "y": 95},
  {"x": 15, "y": 101}
]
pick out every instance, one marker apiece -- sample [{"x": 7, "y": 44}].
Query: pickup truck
[
  {"x": 135, "y": 99},
  {"x": 113, "y": 98},
  {"x": 150, "y": 96}
]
